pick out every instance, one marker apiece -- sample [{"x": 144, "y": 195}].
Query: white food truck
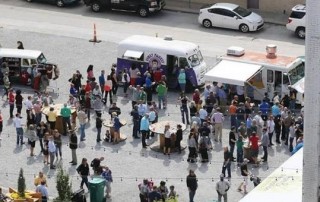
[
  {"x": 265, "y": 72},
  {"x": 149, "y": 53}
]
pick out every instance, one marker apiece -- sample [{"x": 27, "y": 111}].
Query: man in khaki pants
[{"x": 217, "y": 118}]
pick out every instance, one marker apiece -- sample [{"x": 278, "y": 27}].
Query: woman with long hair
[{"x": 192, "y": 145}]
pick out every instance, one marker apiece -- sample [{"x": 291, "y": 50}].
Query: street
[{"x": 63, "y": 33}]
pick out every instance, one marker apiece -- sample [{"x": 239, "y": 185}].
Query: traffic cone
[{"x": 94, "y": 40}]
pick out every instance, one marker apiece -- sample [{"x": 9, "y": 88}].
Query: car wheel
[
  {"x": 244, "y": 28},
  {"x": 207, "y": 23},
  {"x": 143, "y": 12},
  {"x": 96, "y": 7},
  {"x": 60, "y": 3},
  {"x": 301, "y": 32}
]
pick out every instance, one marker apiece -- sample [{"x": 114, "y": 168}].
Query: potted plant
[{"x": 64, "y": 187}]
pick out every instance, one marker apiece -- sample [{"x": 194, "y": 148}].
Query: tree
[
  {"x": 21, "y": 184},
  {"x": 64, "y": 187}
]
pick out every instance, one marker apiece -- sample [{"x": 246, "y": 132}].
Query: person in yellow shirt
[
  {"x": 52, "y": 117},
  {"x": 40, "y": 178}
]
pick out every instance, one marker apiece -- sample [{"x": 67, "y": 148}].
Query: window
[
  {"x": 183, "y": 63},
  {"x": 269, "y": 76},
  {"x": 194, "y": 60},
  {"x": 217, "y": 11},
  {"x": 298, "y": 15},
  {"x": 296, "y": 74},
  {"x": 242, "y": 11},
  {"x": 228, "y": 13},
  {"x": 25, "y": 62},
  {"x": 285, "y": 79}
]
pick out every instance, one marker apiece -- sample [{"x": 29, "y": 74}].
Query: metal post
[{"x": 311, "y": 151}]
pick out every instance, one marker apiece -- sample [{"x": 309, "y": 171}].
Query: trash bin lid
[{"x": 96, "y": 180}]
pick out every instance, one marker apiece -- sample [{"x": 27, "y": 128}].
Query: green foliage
[
  {"x": 21, "y": 184},
  {"x": 64, "y": 187}
]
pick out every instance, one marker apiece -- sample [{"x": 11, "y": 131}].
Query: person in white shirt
[
  {"x": 222, "y": 188},
  {"x": 217, "y": 118},
  {"x": 167, "y": 139},
  {"x": 82, "y": 117},
  {"x": 28, "y": 104},
  {"x": 270, "y": 129},
  {"x": 43, "y": 190},
  {"x": 260, "y": 123},
  {"x": 17, "y": 122},
  {"x": 52, "y": 152},
  {"x": 203, "y": 114}
]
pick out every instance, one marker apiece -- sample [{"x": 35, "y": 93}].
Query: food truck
[
  {"x": 26, "y": 66},
  {"x": 265, "y": 72},
  {"x": 149, "y": 53}
]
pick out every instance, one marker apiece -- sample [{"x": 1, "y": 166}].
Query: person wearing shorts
[{"x": 244, "y": 173}]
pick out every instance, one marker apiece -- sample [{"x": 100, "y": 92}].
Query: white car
[
  {"x": 297, "y": 21},
  {"x": 230, "y": 16}
]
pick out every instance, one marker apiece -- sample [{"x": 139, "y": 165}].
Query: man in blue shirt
[
  {"x": 102, "y": 81},
  {"x": 43, "y": 190},
  {"x": 144, "y": 129},
  {"x": 275, "y": 109},
  {"x": 264, "y": 108}
]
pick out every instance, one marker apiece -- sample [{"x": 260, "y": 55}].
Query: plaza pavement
[{"x": 127, "y": 160}]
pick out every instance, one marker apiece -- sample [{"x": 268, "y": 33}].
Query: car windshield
[
  {"x": 296, "y": 74},
  {"x": 42, "y": 59},
  {"x": 195, "y": 59},
  {"x": 242, "y": 11}
]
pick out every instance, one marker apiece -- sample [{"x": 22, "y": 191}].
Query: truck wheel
[
  {"x": 96, "y": 6},
  {"x": 60, "y": 3},
  {"x": 301, "y": 32},
  {"x": 143, "y": 11}
]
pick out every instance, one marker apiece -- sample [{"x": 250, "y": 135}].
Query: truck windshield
[
  {"x": 41, "y": 59},
  {"x": 296, "y": 74},
  {"x": 195, "y": 59}
]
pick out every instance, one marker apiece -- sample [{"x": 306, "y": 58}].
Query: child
[
  {"x": 172, "y": 193},
  {"x": 107, "y": 175},
  {"x": 179, "y": 137},
  {"x": 239, "y": 144}
]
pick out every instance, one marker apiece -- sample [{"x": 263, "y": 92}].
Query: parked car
[
  {"x": 142, "y": 7},
  {"x": 297, "y": 21},
  {"x": 230, "y": 16},
  {"x": 59, "y": 3}
]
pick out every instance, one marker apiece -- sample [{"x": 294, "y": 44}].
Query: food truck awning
[
  {"x": 133, "y": 54},
  {"x": 231, "y": 72},
  {"x": 299, "y": 86}
]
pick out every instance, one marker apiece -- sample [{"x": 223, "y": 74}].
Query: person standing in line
[
  {"x": 270, "y": 129},
  {"x": 17, "y": 122},
  {"x": 167, "y": 140},
  {"x": 217, "y": 118},
  {"x": 253, "y": 141},
  {"x": 265, "y": 144},
  {"x": 38, "y": 113},
  {"x": 182, "y": 80},
  {"x": 102, "y": 82},
  {"x": 82, "y": 117},
  {"x": 41, "y": 131},
  {"x": 98, "y": 127},
  {"x": 226, "y": 162},
  {"x": 232, "y": 141},
  {"x": 66, "y": 114},
  {"x": 152, "y": 117},
  {"x": 179, "y": 137},
  {"x": 222, "y": 188},
  {"x": 6, "y": 81},
  {"x": 244, "y": 173},
  {"x": 192, "y": 145},
  {"x": 135, "y": 95},
  {"x": 87, "y": 105},
  {"x": 52, "y": 151},
  {"x": 148, "y": 88},
  {"x": 73, "y": 145},
  {"x": 43, "y": 190},
  {"x": 136, "y": 121},
  {"x": 116, "y": 125},
  {"x": 162, "y": 95},
  {"x": 184, "y": 108},
  {"x": 11, "y": 97},
  {"x": 84, "y": 171},
  {"x": 32, "y": 137},
  {"x": 90, "y": 75},
  {"x": 125, "y": 81},
  {"x": 98, "y": 106},
  {"x": 239, "y": 144},
  {"x": 19, "y": 100},
  {"x": 144, "y": 129},
  {"x": 40, "y": 178},
  {"x": 192, "y": 184},
  {"x": 114, "y": 80},
  {"x": 52, "y": 118},
  {"x": 107, "y": 175},
  {"x": 233, "y": 114},
  {"x": 292, "y": 134},
  {"x": 58, "y": 143}
]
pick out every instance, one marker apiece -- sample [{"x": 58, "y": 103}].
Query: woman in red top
[
  {"x": 196, "y": 99},
  {"x": 254, "y": 146},
  {"x": 11, "y": 102},
  {"x": 87, "y": 88}
]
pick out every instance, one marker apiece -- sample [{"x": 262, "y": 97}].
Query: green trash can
[{"x": 96, "y": 186}]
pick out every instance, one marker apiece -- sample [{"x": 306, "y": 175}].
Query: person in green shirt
[
  {"x": 239, "y": 144},
  {"x": 66, "y": 114},
  {"x": 162, "y": 94},
  {"x": 142, "y": 95}
]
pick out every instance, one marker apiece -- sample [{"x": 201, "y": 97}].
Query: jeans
[
  {"x": 98, "y": 134},
  {"x": 41, "y": 144},
  {"x": 191, "y": 195},
  {"x": 182, "y": 87},
  {"x": 270, "y": 138},
  {"x": 114, "y": 88},
  {"x": 125, "y": 87},
  {"x": 58, "y": 150},
  {"x": 38, "y": 118},
  {"x": 82, "y": 133},
  {"x": 52, "y": 154},
  {"x": 88, "y": 113},
  {"x": 233, "y": 121},
  {"x": 84, "y": 181},
  {"x": 66, "y": 121},
  {"x": 161, "y": 98},
  {"x": 228, "y": 168},
  {"x": 265, "y": 153},
  {"x": 291, "y": 143},
  {"x": 149, "y": 95},
  {"x": 292, "y": 105},
  {"x": 11, "y": 110},
  {"x": 19, "y": 135},
  {"x": 135, "y": 128},
  {"x": 19, "y": 108},
  {"x": 232, "y": 149},
  {"x": 184, "y": 112},
  {"x": 239, "y": 156},
  {"x": 143, "y": 139},
  {"x": 106, "y": 96}
]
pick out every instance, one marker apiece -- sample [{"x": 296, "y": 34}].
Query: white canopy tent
[{"x": 232, "y": 72}]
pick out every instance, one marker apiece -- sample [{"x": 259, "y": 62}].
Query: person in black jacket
[
  {"x": 83, "y": 171},
  {"x": 192, "y": 184},
  {"x": 178, "y": 138},
  {"x": 136, "y": 122},
  {"x": 73, "y": 145}
]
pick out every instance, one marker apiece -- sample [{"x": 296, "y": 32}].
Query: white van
[
  {"x": 150, "y": 53},
  {"x": 22, "y": 64},
  {"x": 265, "y": 72}
]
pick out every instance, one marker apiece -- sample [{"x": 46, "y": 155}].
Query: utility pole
[{"x": 311, "y": 150}]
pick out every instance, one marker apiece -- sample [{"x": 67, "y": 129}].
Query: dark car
[
  {"x": 142, "y": 7},
  {"x": 59, "y": 3}
]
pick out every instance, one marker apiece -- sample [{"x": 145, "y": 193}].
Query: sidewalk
[{"x": 190, "y": 7}]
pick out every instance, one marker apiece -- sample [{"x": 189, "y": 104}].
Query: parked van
[
  {"x": 149, "y": 53},
  {"x": 25, "y": 65},
  {"x": 265, "y": 72}
]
